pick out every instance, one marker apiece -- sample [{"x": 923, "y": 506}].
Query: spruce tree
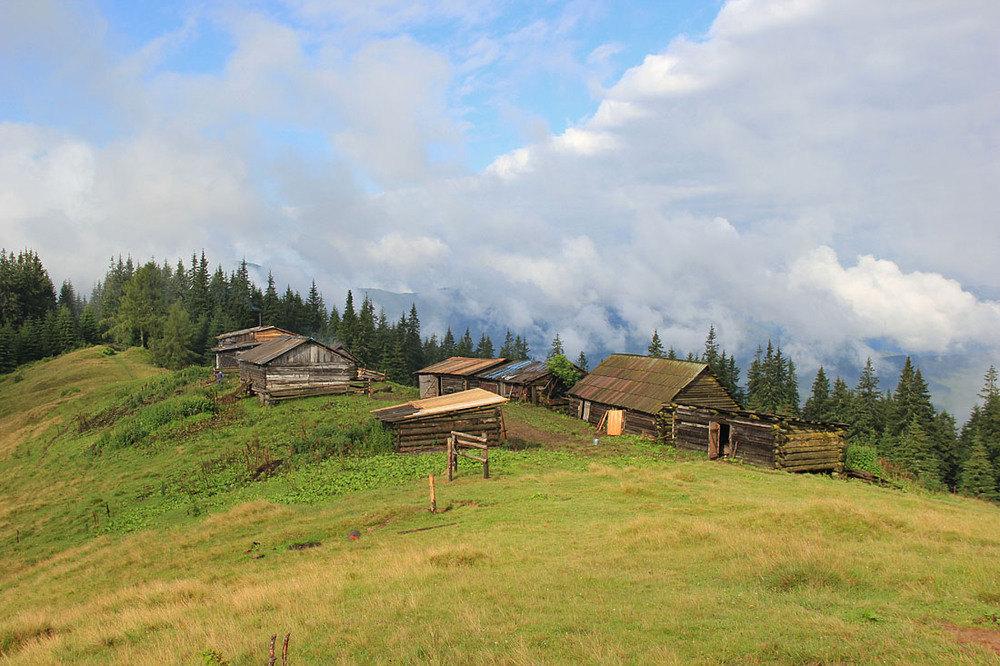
[
  {"x": 413, "y": 350},
  {"x": 271, "y": 305},
  {"x": 172, "y": 350},
  {"x": 819, "y": 404},
  {"x": 655, "y": 348},
  {"x": 978, "y": 476},
  {"x": 448, "y": 345},
  {"x": 557, "y": 348},
  {"x": 581, "y": 361},
  {"x": 465, "y": 346},
  {"x": 485, "y": 347},
  {"x": 507, "y": 349}
]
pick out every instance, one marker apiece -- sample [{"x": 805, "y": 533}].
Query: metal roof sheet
[
  {"x": 640, "y": 383},
  {"x": 442, "y": 404},
  {"x": 461, "y": 366},
  {"x": 518, "y": 372},
  {"x": 266, "y": 352}
]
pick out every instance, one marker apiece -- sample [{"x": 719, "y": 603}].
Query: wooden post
[
  {"x": 434, "y": 506},
  {"x": 284, "y": 650},
  {"x": 451, "y": 446},
  {"x": 270, "y": 654},
  {"x": 486, "y": 458}
]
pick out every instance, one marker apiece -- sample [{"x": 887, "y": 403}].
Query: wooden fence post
[{"x": 434, "y": 506}]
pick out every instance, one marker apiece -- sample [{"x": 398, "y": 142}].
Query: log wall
[
  {"x": 759, "y": 439},
  {"x": 431, "y": 433}
]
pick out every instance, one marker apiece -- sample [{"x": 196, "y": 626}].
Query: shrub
[{"x": 864, "y": 458}]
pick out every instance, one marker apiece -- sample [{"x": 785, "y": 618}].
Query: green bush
[{"x": 864, "y": 458}]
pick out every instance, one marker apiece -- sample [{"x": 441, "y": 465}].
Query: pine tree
[
  {"x": 485, "y": 347},
  {"x": 315, "y": 312},
  {"x": 672, "y": 353},
  {"x": 67, "y": 329},
  {"x": 270, "y": 313},
  {"x": 413, "y": 350},
  {"x": 347, "y": 330},
  {"x": 711, "y": 355},
  {"x": 448, "y": 345},
  {"x": 557, "y": 348},
  {"x": 581, "y": 361},
  {"x": 521, "y": 349},
  {"x": 173, "y": 349},
  {"x": 141, "y": 309},
  {"x": 432, "y": 351},
  {"x": 866, "y": 417},
  {"x": 655, "y": 348},
  {"x": 507, "y": 349},
  {"x": 465, "y": 347},
  {"x": 819, "y": 404},
  {"x": 978, "y": 476}
]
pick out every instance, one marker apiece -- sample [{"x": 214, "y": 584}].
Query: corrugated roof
[
  {"x": 641, "y": 383},
  {"x": 442, "y": 404},
  {"x": 518, "y": 372},
  {"x": 268, "y": 351},
  {"x": 461, "y": 366}
]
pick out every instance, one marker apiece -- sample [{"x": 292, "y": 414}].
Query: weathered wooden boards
[{"x": 767, "y": 440}]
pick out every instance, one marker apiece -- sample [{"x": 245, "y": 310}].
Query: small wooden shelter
[
  {"x": 641, "y": 386},
  {"x": 230, "y": 345},
  {"x": 426, "y": 424},
  {"x": 527, "y": 381},
  {"x": 454, "y": 374},
  {"x": 294, "y": 366},
  {"x": 766, "y": 440}
]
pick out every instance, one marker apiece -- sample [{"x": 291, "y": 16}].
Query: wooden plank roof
[
  {"x": 442, "y": 404},
  {"x": 461, "y": 366},
  {"x": 640, "y": 383},
  {"x": 266, "y": 352},
  {"x": 255, "y": 329}
]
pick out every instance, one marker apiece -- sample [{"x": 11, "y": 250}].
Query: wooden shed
[
  {"x": 424, "y": 425},
  {"x": 766, "y": 440},
  {"x": 527, "y": 381},
  {"x": 294, "y": 366},
  {"x": 230, "y": 345},
  {"x": 453, "y": 375},
  {"x": 642, "y": 385}
]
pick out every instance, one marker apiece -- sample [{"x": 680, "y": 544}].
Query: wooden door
[{"x": 713, "y": 440}]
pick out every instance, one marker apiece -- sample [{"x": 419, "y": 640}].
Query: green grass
[{"x": 621, "y": 553}]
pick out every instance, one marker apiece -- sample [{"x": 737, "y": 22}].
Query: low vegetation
[{"x": 150, "y": 517}]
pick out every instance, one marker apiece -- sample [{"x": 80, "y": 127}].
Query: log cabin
[
  {"x": 766, "y": 440},
  {"x": 641, "y": 386},
  {"x": 424, "y": 425},
  {"x": 294, "y": 366},
  {"x": 453, "y": 375},
  {"x": 527, "y": 381},
  {"x": 230, "y": 345}
]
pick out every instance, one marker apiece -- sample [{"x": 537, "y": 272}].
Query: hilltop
[{"x": 147, "y": 517}]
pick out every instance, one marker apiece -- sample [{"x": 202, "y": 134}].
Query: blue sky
[{"x": 820, "y": 169}]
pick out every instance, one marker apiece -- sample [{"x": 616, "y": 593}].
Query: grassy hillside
[{"x": 144, "y": 518}]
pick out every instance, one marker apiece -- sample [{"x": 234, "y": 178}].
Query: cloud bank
[{"x": 824, "y": 171}]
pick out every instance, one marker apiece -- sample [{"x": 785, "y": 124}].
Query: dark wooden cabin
[
  {"x": 766, "y": 440},
  {"x": 230, "y": 345},
  {"x": 453, "y": 375},
  {"x": 295, "y": 366},
  {"x": 527, "y": 381},
  {"x": 642, "y": 385},
  {"x": 424, "y": 425}
]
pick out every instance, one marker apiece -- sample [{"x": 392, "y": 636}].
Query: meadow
[{"x": 148, "y": 517}]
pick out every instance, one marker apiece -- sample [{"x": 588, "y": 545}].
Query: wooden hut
[
  {"x": 453, "y": 375},
  {"x": 766, "y": 440},
  {"x": 527, "y": 381},
  {"x": 294, "y": 366},
  {"x": 642, "y": 385},
  {"x": 424, "y": 425},
  {"x": 230, "y": 345}
]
